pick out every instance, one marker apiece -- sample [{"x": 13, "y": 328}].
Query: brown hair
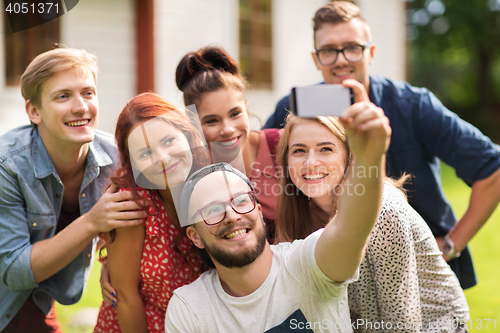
[
  {"x": 294, "y": 216},
  {"x": 49, "y": 63},
  {"x": 337, "y": 12},
  {"x": 207, "y": 70},
  {"x": 293, "y": 209}
]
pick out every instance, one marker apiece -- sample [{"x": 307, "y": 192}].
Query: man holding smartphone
[
  {"x": 423, "y": 132},
  {"x": 52, "y": 178}
]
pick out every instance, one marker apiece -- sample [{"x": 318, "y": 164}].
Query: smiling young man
[
  {"x": 257, "y": 287},
  {"x": 52, "y": 178},
  {"x": 424, "y": 132}
]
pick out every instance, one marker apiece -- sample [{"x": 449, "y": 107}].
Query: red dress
[{"x": 162, "y": 270}]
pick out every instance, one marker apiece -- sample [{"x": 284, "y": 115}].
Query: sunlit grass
[
  {"x": 91, "y": 299},
  {"x": 484, "y": 298}
]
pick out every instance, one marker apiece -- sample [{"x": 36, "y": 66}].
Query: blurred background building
[{"x": 140, "y": 42}]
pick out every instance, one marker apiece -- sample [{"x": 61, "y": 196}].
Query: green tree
[{"x": 455, "y": 52}]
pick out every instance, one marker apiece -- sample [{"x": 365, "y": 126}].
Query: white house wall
[
  {"x": 104, "y": 28},
  {"x": 386, "y": 20},
  {"x": 183, "y": 26},
  {"x": 12, "y": 112}
]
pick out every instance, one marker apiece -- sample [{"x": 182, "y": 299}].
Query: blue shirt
[
  {"x": 31, "y": 195},
  {"x": 424, "y": 131}
]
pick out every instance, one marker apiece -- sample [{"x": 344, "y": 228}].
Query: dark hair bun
[{"x": 205, "y": 59}]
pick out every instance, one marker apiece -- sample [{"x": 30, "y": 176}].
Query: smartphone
[{"x": 320, "y": 100}]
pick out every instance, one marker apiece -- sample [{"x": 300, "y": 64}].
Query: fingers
[
  {"x": 108, "y": 297},
  {"x": 128, "y": 215},
  {"x": 376, "y": 124},
  {"x": 360, "y": 113},
  {"x": 126, "y": 205},
  {"x": 124, "y": 223},
  {"x": 108, "y": 292},
  {"x": 121, "y": 196},
  {"x": 111, "y": 188},
  {"x": 121, "y": 202},
  {"x": 358, "y": 89}
]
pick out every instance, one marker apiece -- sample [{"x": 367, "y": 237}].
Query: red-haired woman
[
  {"x": 158, "y": 149},
  {"x": 210, "y": 79}
]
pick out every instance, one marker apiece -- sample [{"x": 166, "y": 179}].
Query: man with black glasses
[{"x": 424, "y": 132}]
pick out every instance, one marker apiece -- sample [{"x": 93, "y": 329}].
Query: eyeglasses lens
[
  {"x": 352, "y": 53},
  {"x": 242, "y": 204}
]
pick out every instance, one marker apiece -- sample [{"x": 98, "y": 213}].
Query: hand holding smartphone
[{"x": 320, "y": 100}]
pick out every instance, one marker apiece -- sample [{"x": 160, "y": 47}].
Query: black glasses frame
[
  {"x": 363, "y": 47},
  {"x": 226, "y": 203}
]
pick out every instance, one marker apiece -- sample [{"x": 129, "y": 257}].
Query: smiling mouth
[
  {"x": 314, "y": 177},
  {"x": 78, "y": 123},
  {"x": 343, "y": 73},
  {"x": 170, "y": 168},
  {"x": 228, "y": 143},
  {"x": 236, "y": 233}
]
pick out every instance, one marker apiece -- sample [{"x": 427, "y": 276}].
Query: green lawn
[
  {"x": 91, "y": 298},
  {"x": 484, "y": 299}
]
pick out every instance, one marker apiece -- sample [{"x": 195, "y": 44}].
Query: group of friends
[{"x": 183, "y": 210}]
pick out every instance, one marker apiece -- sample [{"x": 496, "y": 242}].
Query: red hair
[{"x": 141, "y": 108}]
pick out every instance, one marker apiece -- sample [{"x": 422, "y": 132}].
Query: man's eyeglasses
[
  {"x": 352, "y": 53},
  {"x": 215, "y": 213}
]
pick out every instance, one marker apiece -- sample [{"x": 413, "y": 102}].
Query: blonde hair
[
  {"x": 49, "y": 63},
  {"x": 293, "y": 210}
]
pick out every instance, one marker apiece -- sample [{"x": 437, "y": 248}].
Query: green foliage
[{"x": 456, "y": 54}]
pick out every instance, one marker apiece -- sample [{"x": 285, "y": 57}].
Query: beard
[{"x": 242, "y": 258}]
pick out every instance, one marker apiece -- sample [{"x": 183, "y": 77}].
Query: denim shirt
[
  {"x": 31, "y": 195},
  {"x": 424, "y": 132}
]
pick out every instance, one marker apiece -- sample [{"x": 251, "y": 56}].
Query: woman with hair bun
[
  {"x": 211, "y": 80},
  {"x": 159, "y": 148}
]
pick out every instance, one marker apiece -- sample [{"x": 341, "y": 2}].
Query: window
[
  {"x": 22, "y": 47},
  {"x": 256, "y": 42}
]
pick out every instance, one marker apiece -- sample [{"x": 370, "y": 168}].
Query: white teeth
[
  {"x": 342, "y": 73},
  {"x": 314, "y": 177},
  {"x": 78, "y": 123},
  {"x": 228, "y": 143},
  {"x": 236, "y": 233}
]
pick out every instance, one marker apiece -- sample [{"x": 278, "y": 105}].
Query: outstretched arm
[{"x": 340, "y": 248}]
